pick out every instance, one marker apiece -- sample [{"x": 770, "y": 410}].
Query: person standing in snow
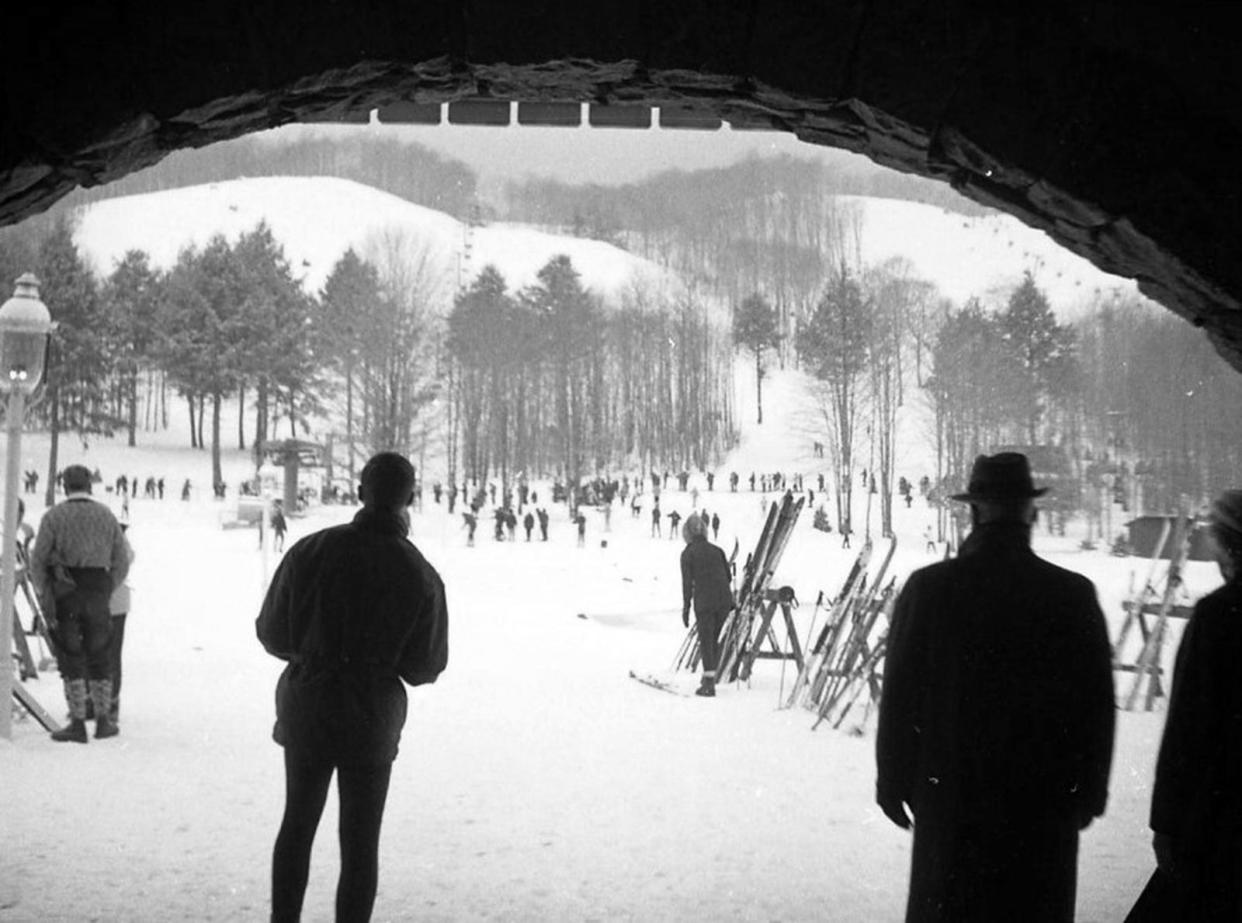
[
  {"x": 528, "y": 523},
  {"x": 118, "y": 608},
  {"x": 674, "y": 519},
  {"x": 355, "y": 610},
  {"x": 715, "y": 526},
  {"x": 279, "y": 525},
  {"x": 706, "y": 582},
  {"x": 80, "y": 556},
  {"x": 655, "y": 520},
  {"x": 1196, "y": 803},
  {"x": 996, "y": 724}
]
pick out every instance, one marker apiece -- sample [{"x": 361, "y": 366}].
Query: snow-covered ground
[{"x": 536, "y": 780}]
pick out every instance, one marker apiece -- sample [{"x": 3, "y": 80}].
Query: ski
[
  {"x": 23, "y": 697},
  {"x": 656, "y": 683},
  {"x": 823, "y": 643}
]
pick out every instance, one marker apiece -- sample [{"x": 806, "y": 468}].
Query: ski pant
[
  {"x": 84, "y": 626},
  {"x": 708, "y": 626},
  {"x": 115, "y": 641},
  {"x": 362, "y": 792}
]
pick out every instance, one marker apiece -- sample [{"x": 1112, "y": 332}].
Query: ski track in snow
[{"x": 536, "y": 780}]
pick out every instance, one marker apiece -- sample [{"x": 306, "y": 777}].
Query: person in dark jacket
[
  {"x": 355, "y": 609},
  {"x": 706, "y": 581},
  {"x": 996, "y": 723},
  {"x": 1196, "y": 804},
  {"x": 79, "y": 557}
]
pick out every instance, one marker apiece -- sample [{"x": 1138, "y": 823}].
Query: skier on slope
[{"x": 706, "y": 582}]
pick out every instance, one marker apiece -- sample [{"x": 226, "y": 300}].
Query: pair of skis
[{"x": 736, "y": 642}]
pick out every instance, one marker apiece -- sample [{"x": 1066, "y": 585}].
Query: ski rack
[
  {"x": 737, "y": 651},
  {"x": 1146, "y": 667},
  {"x": 848, "y": 652}
]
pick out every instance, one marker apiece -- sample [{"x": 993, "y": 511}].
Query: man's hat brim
[{"x": 999, "y": 497}]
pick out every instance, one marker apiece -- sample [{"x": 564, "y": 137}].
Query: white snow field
[{"x": 536, "y": 781}]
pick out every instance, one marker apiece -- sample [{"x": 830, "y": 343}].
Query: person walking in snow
[
  {"x": 580, "y": 522},
  {"x": 655, "y": 521},
  {"x": 996, "y": 723},
  {"x": 355, "y": 610},
  {"x": 79, "y": 557},
  {"x": 706, "y": 582},
  {"x": 715, "y": 526},
  {"x": 471, "y": 521},
  {"x": 279, "y": 525},
  {"x": 528, "y": 523},
  {"x": 542, "y": 515}
]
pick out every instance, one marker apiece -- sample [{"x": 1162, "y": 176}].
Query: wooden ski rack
[
  {"x": 1159, "y": 605},
  {"x": 772, "y": 599}
]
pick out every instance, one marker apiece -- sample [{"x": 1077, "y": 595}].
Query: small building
[{"x": 1144, "y": 532}]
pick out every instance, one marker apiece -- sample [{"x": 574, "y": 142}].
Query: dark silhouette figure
[
  {"x": 472, "y": 523},
  {"x": 674, "y": 519},
  {"x": 528, "y": 523},
  {"x": 996, "y": 724},
  {"x": 715, "y": 526},
  {"x": 355, "y": 609},
  {"x": 580, "y": 521},
  {"x": 543, "y": 524},
  {"x": 1196, "y": 804},
  {"x": 185, "y": 490},
  {"x": 655, "y": 521},
  {"x": 706, "y": 581}
]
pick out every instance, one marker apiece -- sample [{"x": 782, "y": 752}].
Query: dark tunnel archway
[{"x": 1113, "y": 128}]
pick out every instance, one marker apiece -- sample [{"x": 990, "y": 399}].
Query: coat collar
[
  {"x": 997, "y": 536},
  {"x": 383, "y": 521}
]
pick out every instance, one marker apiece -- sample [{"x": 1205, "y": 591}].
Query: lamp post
[{"x": 24, "y": 328}]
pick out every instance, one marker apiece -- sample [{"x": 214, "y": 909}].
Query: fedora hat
[{"x": 1000, "y": 478}]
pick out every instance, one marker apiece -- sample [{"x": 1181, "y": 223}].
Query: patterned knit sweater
[{"x": 79, "y": 532}]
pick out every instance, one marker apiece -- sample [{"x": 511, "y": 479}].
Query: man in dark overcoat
[{"x": 997, "y": 715}]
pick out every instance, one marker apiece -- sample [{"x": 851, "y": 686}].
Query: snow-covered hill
[
  {"x": 980, "y": 256},
  {"x": 317, "y": 218}
]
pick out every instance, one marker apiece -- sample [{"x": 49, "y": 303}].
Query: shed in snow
[{"x": 1144, "y": 532}]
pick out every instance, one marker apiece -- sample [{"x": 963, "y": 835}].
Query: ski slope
[{"x": 317, "y": 218}]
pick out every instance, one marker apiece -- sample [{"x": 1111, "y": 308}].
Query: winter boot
[
  {"x": 101, "y": 695},
  {"x": 707, "y": 687},
  {"x": 75, "y": 696}
]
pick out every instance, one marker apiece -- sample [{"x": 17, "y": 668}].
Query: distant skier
[
  {"x": 846, "y": 532},
  {"x": 543, "y": 524},
  {"x": 929, "y": 542},
  {"x": 674, "y": 519},
  {"x": 185, "y": 490},
  {"x": 705, "y": 583},
  {"x": 715, "y": 525},
  {"x": 279, "y": 525},
  {"x": 636, "y": 506},
  {"x": 472, "y": 523},
  {"x": 580, "y": 521},
  {"x": 711, "y": 480},
  {"x": 528, "y": 523},
  {"x": 655, "y": 521},
  {"x": 511, "y": 523}
]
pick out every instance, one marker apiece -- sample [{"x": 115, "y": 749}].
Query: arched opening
[{"x": 941, "y": 107}]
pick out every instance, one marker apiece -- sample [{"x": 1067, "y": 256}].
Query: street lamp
[{"x": 24, "y": 328}]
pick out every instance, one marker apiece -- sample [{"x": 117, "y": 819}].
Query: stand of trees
[{"x": 550, "y": 381}]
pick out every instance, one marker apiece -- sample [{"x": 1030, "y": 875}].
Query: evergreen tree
[
  {"x": 351, "y": 295},
  {"x": 78, "y": 360},
  {"x": 755, "y": 328},
  {"x": 833, "y": 345},
  {"x": 1043, "y": 349},
  {"x": 132, "y": 294}
]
